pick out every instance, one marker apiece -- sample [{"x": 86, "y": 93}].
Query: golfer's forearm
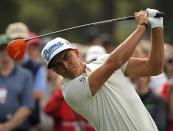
[
  {"x": 156, "y": 56},
  {"x": 121, "y": 54}
]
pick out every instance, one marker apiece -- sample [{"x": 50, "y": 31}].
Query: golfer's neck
[
  {"x": 80, "y": 70},
  {"x": 83, "y": 67}
]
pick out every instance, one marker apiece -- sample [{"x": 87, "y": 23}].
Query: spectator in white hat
[
  {"x": 17, "y": 30},
  {"x": 94, "y": 52}
]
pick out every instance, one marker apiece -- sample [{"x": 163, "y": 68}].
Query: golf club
[{"x": 16, "y": 48}]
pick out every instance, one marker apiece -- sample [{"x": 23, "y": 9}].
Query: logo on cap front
[{"x": 47, "y": 52}]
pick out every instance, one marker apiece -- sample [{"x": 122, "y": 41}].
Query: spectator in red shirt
[
  {"x": 167, "y": 90},
  {"x": 65, "y": 119}
]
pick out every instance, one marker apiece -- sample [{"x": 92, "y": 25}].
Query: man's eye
[
  {"x": 66, "y": 57},
  {"x": 56, "y": 65}
]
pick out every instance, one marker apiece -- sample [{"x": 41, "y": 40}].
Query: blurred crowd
[{"x": 31, "y": 97}]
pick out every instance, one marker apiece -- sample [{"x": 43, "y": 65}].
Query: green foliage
[
  {"x": 43, "y": 16},
  {"x": 8, "y": 13},
  {"x": 46, "y": 16}
]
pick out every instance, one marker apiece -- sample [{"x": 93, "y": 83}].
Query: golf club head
[{"x": 16, "y": 49}]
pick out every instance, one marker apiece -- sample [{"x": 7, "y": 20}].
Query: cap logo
[{"x": 47, "y": 52}]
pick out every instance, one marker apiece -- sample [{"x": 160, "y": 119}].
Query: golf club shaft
[
  {"x": 159, "y": 14},
  {"x": 85, "y": 25}
]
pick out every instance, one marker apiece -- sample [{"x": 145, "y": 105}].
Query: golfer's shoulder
[
  {"x": 80, "y": 80},
  {"x": 76, "y": 91}
]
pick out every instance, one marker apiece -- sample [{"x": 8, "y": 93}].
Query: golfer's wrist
[{"x": 144, "y": 25}]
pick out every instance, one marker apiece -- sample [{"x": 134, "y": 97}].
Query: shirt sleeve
[
  {"x": 124, "y": 66},
  {"x": 77, "y": 92},
  {"x": 102, "y": 59}
]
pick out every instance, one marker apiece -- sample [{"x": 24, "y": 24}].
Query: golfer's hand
[
  {"x": 141, "y": 17},
  {"x": 154, "y": 22}
]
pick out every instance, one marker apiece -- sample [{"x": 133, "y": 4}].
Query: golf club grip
[{"x": 159, "y": 14}]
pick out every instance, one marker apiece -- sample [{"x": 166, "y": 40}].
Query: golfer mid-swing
[{"x": 100, "y": 90}]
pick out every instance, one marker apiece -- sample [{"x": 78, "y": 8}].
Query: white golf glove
[{"x": 154, "y": 22}]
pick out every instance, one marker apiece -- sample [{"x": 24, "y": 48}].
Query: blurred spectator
[
  {"x": 17, "y": 30},
  {"x": 95, "y": 49},
  {"x": 107, "y": 42},
  {"x": 65, "y": 119},
  {"x": 52, "y": 79},
  {"x": 93, "y": 37},
  {"x": 167, "y": 91},
  {"x": 34, "y": 48},
  {"x": 52, "y": 82},
  {"x": 44, "y": 41},
  {"x": 16, "y": 92},
  {"x": 153, "y": 102},
  {"x": 20, "y": 30},
  {"x": 93, "y": 52},
  {"x": 168, "y": 68},
  {"x": 168, "y": 96},
  {"x": 83, "y": 49},
  {"x": 38, "y": 70},
  {"x": 33, "y": 62},
  {"x": 169, "y": 60}
]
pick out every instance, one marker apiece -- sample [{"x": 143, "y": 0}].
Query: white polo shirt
[{"x": 116, "y": 105}]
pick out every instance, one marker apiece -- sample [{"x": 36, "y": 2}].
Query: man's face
[
  {"x": 67, "y": 64},
  {"x": 169, "y": 65},
  {"x": 5, "y": 60}
]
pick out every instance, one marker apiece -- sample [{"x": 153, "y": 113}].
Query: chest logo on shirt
[{"x": 83, "y": 77}]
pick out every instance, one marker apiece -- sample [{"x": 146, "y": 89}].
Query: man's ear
[
  {"x": 53, "y": 70},
  {"x": 77, "y": 52}
]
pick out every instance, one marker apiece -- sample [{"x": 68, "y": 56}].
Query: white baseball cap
[{"x": 54, "y": 47}]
